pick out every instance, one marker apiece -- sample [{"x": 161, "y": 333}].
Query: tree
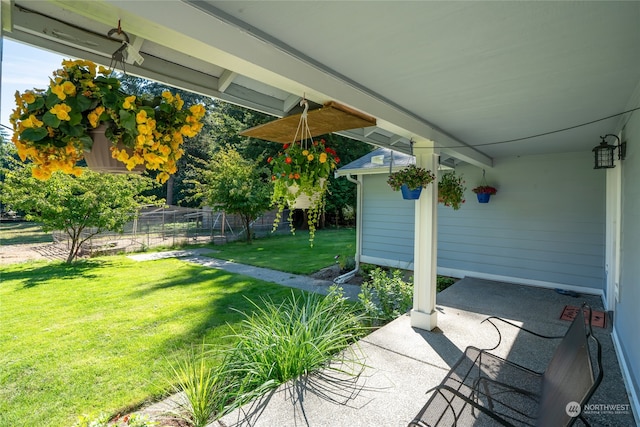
[
  {"x": 79, "y": 206},
  {"x": 237, "y": 185},
  {"x": 343, "y": 192}
]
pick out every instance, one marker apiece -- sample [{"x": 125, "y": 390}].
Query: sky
[{"x": 23, "y": 67}]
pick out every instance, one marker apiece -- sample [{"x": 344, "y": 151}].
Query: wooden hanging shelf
[{"x": 332, "y": 117}]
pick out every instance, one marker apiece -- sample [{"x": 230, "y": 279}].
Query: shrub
[{"x": 386, "y": 295}]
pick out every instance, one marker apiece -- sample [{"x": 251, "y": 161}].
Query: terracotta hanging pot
[{"x": 99, "y": 159}]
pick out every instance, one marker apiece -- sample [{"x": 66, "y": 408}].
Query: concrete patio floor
[{"x": 403, "y": 363}]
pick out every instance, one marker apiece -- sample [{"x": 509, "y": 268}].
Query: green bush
[{"x": 385, "y": 295}]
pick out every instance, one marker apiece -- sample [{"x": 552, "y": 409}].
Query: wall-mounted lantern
[{"x": 604, "y": 152}]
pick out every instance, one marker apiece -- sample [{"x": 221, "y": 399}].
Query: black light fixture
[{"x": 604, "y": 152}]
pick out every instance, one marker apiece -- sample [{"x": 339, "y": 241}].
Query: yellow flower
[
  {"x": 32, "y": 122},
  {"x": 94, "y": 116},
  {"x": 162, "y": 177},
  {"x": 323, "y": 157},
  {"x": 167, "y": 95},
  {"x": 40, "y": 173},
  {"x": 58, "y": 90},
  {"x": 310, "y": 157},
  {"x": 305, "y": 152},
  {"x": 61, "y": 111},
  {"x": 28, "y": 97},
  {"x": 197, "y": 110},
  {"x": 69, "y": 88},
  {"x": 121, "y": 155},
  {"x": 165, "y": 150},
  {"x": 129, "y": 102},
  {"x": 141, "y": 117}
]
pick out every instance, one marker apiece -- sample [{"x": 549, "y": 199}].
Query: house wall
[
  {"x": 627, "y": 315},
  {"x": 387, "y": 224},
  {"x": 544, "y": 227}
]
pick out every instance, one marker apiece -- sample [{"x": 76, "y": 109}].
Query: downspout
[{"x": 346, "y": 276}]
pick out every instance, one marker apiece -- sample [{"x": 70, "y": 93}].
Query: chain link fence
[{"x": 171, "y": 226}]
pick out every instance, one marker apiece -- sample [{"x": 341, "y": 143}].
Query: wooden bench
[{"x": 484, "y": 389}]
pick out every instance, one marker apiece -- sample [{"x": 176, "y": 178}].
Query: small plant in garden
[
  {"x": 451, "y": 190},
  {"x": 347, "y": 263},
  {"x": 102, "y": 420},
  {"x": 412, "y": 176},
  {"x": 386, "y": 295},
  {"x": 201, "y": 386},
  {"x": 443, "y": 282}
]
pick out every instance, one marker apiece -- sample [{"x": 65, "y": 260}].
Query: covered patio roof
[{"x": 466, "y": 75}]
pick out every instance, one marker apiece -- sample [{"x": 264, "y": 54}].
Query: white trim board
[
  {"x": 520, "y": 281},
  {"x": 634, "y": 400}
]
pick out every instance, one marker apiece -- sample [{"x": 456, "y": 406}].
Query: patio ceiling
[{"x": 462, "y": 74}]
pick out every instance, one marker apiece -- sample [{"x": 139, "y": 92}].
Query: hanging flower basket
[
  {"x": 410, "y": 181},
  {"x": 300, "y": 176},
  {"x": 100, "y": 158},
  {"x": 484, "y": 191},
  {"x": 52, "y": 126},
  {"x": 451, "y": 190}
]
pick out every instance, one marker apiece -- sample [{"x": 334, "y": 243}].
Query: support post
[{"x": 425, "y": 252}]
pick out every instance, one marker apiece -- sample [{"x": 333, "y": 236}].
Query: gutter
[{"x": 346, "y": 276}]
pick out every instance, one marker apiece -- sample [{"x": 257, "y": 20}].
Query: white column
[{"x": 425, "y": 255}]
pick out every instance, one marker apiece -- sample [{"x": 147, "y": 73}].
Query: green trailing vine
[{"x": 451, "y": 190}]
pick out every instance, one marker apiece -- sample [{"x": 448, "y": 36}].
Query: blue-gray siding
[
  {"x": 545, "y": 224},
  {"x": 627, "y": 317}
]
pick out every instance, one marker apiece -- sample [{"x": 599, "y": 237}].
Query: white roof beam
[{"x": 225, "y": 79}]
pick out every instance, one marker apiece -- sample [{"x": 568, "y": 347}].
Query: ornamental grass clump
[
  {"x": 282, "y": 341},
  {"x": 412, "y": 176},
  {"x": 302, "y": 170},
  {"x": 52, "y": 126},
  {"x": 199, "y": 387}
]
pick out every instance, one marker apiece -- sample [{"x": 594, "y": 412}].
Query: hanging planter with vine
[
  {"x": 300, "y": 176},
  {"x": 484, "y": 191},
  {"x": 451, "y": 190}
]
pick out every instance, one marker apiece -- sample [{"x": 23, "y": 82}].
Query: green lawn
[
  {"x": 96, "y": 336},
  {"x": 292, "y": 253},
  {"x": 17, "y": 233}
]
